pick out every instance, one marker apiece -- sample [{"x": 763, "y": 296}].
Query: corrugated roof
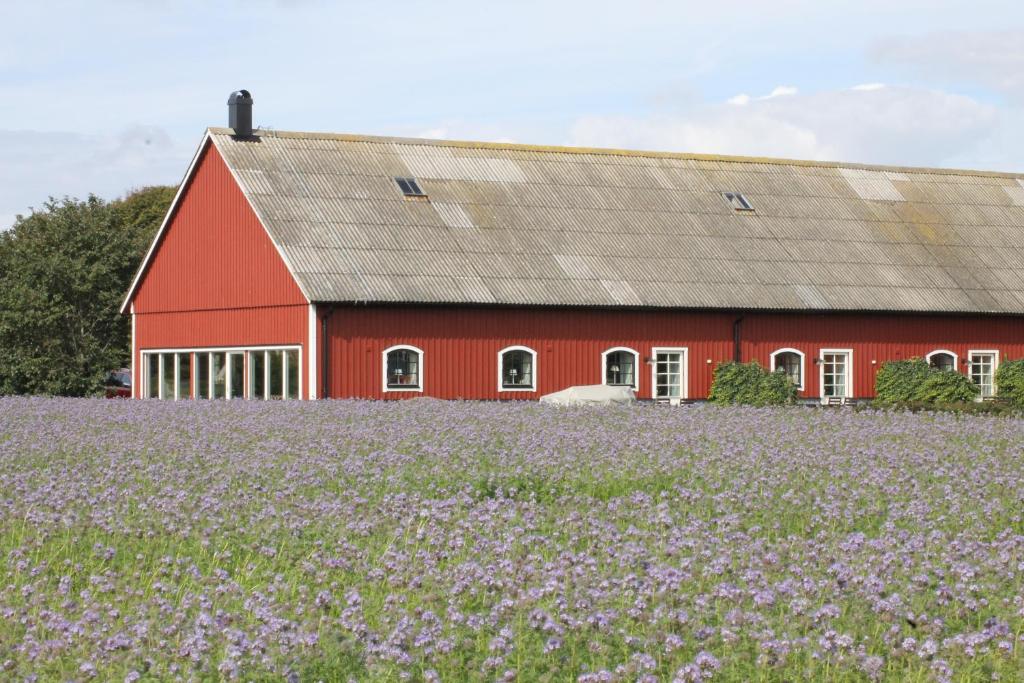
[{"x": 519, "y": 224}]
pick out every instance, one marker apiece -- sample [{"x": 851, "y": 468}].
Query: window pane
[
  {"x": 983, "y": 373},
  {"x": 668, "y": 375},
  {"x": 152, "y": 375},
  {"x": 220, "y": 374},
  {"x": 403, "y": 369},
  {"x": 184, "y": 375},
  {"x": 275, "y": 361},
  {"x": 619, "y": 368},
  {"x": 835, "y": 374},
  {"x": 167, "y": 376},
  {"x": 202, "y": 375},
  {"x": 942, "y": 361},
  {"x": 516, "y": 370},
  {"x": 236, "y": 373},
  {"x": 790, "y": 364},
  {"x": 292, "y": 358},
  {"x": 257, "y": 378}
]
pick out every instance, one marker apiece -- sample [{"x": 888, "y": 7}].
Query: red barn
[{"x": 307, "y": 265}]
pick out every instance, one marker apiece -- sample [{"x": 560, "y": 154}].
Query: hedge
[
  {"x": 1010, "y": 382},
  {"x": 750, "y": 384},
  {"x": 913, "y": 381}
]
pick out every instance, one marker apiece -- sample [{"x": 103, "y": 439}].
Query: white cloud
[
  {"x": 740, "y": 100},
  {"x": 894, "y": 125},
  {"x": 781, "y": 91},
  {"x": 868, "y": 87}
]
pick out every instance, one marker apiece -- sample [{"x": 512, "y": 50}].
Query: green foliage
[
  {"x": 1010, "y": 382},
  {"x": 945, "y": 386},
  {"x": 750, "y": 384},
  {"x": 64, "y": 271},
  {"x": 908, "y": 382},
  {"x": 897, "y": 381}
]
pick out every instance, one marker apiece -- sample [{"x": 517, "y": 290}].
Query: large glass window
[
  {"x": 516, "y": 368},
  {"x": 236, "y": 374},
  {"x": 942, "y": 360},
  {"x": 292, "y": 377},
  {"x": 167, "y": 375},
  {"x": 791, "y": 362},
  {"x": 275, "y": 375},
  {"x": 620, "y": 367},
  {"x": 257, "y": 374},
  {"x": 835, "y": 374},
  {"x": 184, "y": 382},
  {"x": 202, "y": 375},
  {"x": 983, "y": 371},
  {"x": 219, "y": 370},
  {"x": 403, "y": 368},
  {"x": 152, "y": 363}
]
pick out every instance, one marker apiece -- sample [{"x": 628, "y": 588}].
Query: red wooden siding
[
  {"x": 461, "y": 344},
  {"x": 215, "y": 278}
]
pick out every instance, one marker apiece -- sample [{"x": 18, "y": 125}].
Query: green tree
[{"x": 64, "y": 271}]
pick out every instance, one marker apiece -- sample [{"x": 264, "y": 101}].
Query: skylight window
[
  {"x": 738, "y": 201},
  {"x": 409, "y": 187}
]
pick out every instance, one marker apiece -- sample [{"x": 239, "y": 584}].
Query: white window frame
[
  {"x": 636, "y": 366},
  {"x": 803, "y": 364},
  {"x": 384, "y": 369},
  {"x": 956, "y": 358},
  {"x": 849, "y": 372},
  {"x": 684, "y": 368},
  {"x": 227, "y": 351},
  {"x": 501, "y": 369},
  {"x": 995, "y": 366}
]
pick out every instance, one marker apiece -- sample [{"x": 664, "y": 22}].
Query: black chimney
[{"x": 240, "y": 113}]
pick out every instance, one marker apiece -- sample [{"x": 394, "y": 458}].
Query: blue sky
[{"x": 110, "y": 95}]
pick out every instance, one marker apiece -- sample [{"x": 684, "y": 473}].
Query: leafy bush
[
  {"x": 897, "y": 381},
  {"x": 944, "y": 386},
  {"x": 907, "y": 382},
  {"x": 1010, "y": 382},
  {"x": 750, "y": 384}
]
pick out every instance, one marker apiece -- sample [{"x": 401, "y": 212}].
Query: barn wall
[
  {"x": 215, "y": 278},
  {"x": 461, "y": 344}
]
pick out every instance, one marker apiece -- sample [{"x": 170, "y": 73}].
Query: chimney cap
[{"x": 240, "y": 97}]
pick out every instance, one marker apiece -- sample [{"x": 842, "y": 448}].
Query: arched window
[
  {"x": 942, "y": 360},
  {"x": 619, "y": 367},
  {"x": 517, "y": 369},
  {"x": 403, "y": 369},
  {"x": 791, "y": 362}
]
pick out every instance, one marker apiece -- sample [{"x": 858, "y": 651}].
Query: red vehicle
[{"x": 119, "y": 384}]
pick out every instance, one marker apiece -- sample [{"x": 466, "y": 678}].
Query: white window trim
[
  {"x": 636, "y": 366},
  {"x": 384, "y": 369},
  {"x": 501, "y": 369},
  {"x": 803, "y": 364},
  {"x": 684, "y": 367},
  {"x": 995, "y": 365},
  {"x": 956, "y": 358},
  {"x": 849, "y": 372},
  {"x": 244, "y": 350}
]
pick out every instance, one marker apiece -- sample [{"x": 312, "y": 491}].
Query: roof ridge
[{"x": 609, "y": 151}]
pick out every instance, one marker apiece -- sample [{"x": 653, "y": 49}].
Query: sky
[{"x": 107, "y": 96}]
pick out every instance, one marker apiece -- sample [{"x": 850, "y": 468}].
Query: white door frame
[
  {"x": 849, "y": 372},
  {"x": 684, "y": 370}
]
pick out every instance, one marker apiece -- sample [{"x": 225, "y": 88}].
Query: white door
[
  {"x": 669, "y": 375},
  {"x": 835, "y": 374}
]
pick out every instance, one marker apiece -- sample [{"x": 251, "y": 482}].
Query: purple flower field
[{"x": 428, "y": 541}]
